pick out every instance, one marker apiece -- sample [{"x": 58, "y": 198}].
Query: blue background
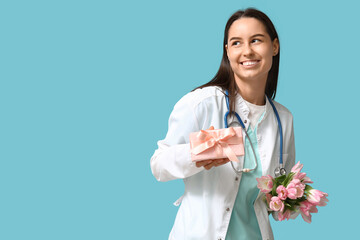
[{"x": 87, "y": 88}]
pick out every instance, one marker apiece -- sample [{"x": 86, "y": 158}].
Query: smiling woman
[
  {"x": 250, "y": 51},
  {"x": 221, "y": 201}
]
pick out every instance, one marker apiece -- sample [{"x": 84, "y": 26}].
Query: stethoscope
[{"x": 279, "y": 170}]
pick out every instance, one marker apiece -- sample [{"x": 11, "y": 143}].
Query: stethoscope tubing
[{"x": 280, "y": 170}]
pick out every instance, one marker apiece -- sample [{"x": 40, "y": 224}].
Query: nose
[{"x": 247, "y": 49}]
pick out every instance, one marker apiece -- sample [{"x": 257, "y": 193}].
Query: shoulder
[
  {"x": 283, "y": 111},
  {"x": 202, "y": 95},
  {"x": 196, "y": 107}
]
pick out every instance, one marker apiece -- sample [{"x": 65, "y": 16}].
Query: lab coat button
[
  {"x": 219, "y": 238},
  {"x": 236, "y": 178},
  {"x": 245, "y": 121},
  {"x": 227, "y": 209}
]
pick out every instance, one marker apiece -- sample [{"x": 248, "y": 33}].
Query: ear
[
  {"x": 227, "y": 50},
  {"x": 275, "y": 47}
]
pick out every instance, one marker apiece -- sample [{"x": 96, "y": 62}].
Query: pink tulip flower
[
  {"x": 302, "y": 177},
  {"x": 306, "y": 208},
  {"x": 299, "y": 175},
  {"x": 297, "y": 168},
  {"x": 286, "y": 215},
  {"x": 276, "y": 204},
  {"x": 323, "y": 201},
  {"x": 265, "y": 183},
  {"x": 282, "y": 192},
  {"x": 317, "y": 197},
  {"x": 268, "y": 200},
  {"x": 306, "y": 179},
  {"x": 295, "y": 189},
  {"x": 304, "y": 202}
]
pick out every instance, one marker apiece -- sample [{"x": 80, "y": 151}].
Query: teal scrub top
[{"x": 243, "y": 222}]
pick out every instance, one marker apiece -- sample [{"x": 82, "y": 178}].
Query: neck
[{"x": 251, "y": 90}]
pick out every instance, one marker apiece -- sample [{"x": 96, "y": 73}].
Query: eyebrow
[{"x": 256, "y": 35}]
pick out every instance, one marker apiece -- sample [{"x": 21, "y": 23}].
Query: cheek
[
  {"x": 233, "y": 61},
  {"x": 268, "y": 59},
  {"x": 233, "y": 58},
  {"x": 234, "y": 53}
]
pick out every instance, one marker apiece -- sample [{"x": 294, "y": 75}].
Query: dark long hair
[{"x": 224, "y": 78}]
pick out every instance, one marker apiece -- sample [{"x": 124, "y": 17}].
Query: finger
[
  {"x": 224, "y": 161},
  {"x": 221, "y": 161},
  {"x": 212, "y": 164},
  {"x": 199, "y": 164},
  {"x": 211, "y": 128},
  {"x": 203, "y": 163},
  {"x": 216, "y": 162},
  {"x": 209, "y": 166}
]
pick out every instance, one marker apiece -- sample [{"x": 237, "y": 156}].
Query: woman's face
[{"x": 250, "y": 50}]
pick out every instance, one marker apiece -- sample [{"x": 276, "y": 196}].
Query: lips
[{"x": 249, "y": 63}]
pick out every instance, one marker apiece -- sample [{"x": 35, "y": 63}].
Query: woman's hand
[{"x": 208, "y": 164}]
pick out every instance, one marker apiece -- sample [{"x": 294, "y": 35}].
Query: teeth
[{"x": 249, "y": 63}]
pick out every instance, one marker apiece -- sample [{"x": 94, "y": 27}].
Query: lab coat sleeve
[{"x": 172, "y": 159}]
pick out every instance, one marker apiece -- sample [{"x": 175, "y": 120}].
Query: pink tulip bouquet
[{"x": 288, "y": 194}]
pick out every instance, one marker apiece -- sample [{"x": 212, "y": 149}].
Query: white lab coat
[{"x": 209, "y": 196}]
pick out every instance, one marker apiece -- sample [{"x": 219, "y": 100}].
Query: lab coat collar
[
  {"x": 240, "y": 102},
  {"x": 268, "y": 108},
  {"x": 243, "y": 107}
]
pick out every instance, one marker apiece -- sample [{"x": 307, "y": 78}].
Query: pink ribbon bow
[{"x": 218, "y": 139}]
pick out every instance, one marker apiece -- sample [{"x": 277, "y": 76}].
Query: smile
[{"x": 250, "y": 63}]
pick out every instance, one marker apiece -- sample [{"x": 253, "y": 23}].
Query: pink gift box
[{"x": 215, "y": 144}]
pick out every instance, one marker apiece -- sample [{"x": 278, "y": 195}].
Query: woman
[{"x": 219, "y": 203}]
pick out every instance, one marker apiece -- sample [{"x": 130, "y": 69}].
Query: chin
[
  {"x": 255, "y": 77},
  {"x": 248, "y": 76}
]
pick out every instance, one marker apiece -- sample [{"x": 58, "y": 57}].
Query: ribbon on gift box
[{"x": 218, "y": 139}]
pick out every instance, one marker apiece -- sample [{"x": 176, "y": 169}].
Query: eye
[
  {"x": 235, "y": 43},
  {"x": 256, "y": 40}
]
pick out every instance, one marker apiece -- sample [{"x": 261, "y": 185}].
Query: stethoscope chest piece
[{"x": 279, "y": 171}]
